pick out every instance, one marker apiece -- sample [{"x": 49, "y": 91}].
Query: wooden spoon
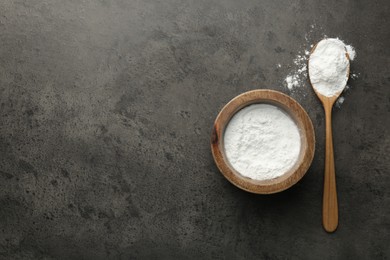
[{"x": 330, "y": 216}]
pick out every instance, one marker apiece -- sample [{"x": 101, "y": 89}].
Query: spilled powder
[
  {"x": 298, "y": 72},
  {"x": 339, "y": 102},
  {"x": 292, "y": 81},
  {"x": 296, "y": 77},
  {"x": 262, "y": 142}
]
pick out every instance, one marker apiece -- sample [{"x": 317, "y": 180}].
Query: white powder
[
  {"x": 297, "y": 76},
  {"x": 329, "y": 65},
  {"x": 292, "y": 81},
  {"x": 296, "y": 80},
  {"x": 340, "y": 101},
  {"x": 351, "y": 52},
  {"x": 262, "y": 142}
]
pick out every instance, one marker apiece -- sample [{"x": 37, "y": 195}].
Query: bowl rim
[{"x": 300, "y": 117}]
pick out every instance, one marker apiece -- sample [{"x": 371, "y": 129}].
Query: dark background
[{"x": 105, "y": 120}]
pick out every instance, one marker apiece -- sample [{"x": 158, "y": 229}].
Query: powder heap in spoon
[
  {"x": 329, "y": 66},
  {"x": 262, "y": 142}
]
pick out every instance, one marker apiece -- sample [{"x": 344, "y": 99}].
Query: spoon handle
[{"x": 329, "y": 206}]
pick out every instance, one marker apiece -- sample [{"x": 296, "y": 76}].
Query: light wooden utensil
[
  {"x": 330, "y": 216},
  {"x": 300, "y": 117}
]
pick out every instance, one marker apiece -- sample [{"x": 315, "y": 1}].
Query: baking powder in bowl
[{"x": 262, "y": 142}]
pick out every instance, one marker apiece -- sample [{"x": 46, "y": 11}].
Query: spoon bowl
[{"x": 319, "y": 95}]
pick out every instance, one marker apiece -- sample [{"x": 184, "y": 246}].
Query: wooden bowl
[{"x": 297, "y": 113}]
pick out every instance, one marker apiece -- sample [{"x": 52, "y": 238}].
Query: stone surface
[{"x": 106, "y": 113}]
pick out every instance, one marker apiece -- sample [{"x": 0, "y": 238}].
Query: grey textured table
[{"x": 106, "y": 112}]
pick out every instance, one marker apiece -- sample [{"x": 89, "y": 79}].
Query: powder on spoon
[
  {"x": 262, "y": 142},
  {"x": 329, "y": 65}
]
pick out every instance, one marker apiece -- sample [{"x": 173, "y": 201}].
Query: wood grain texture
[
  {"x": 299, "y": 115},
  {"x": 330, "y": 216}
]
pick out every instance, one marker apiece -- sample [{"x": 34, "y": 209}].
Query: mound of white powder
[
  {"x": 296, "y": 80},
  {"x": 262, "y": 142},
  {"x": 329, "y": 65}
]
